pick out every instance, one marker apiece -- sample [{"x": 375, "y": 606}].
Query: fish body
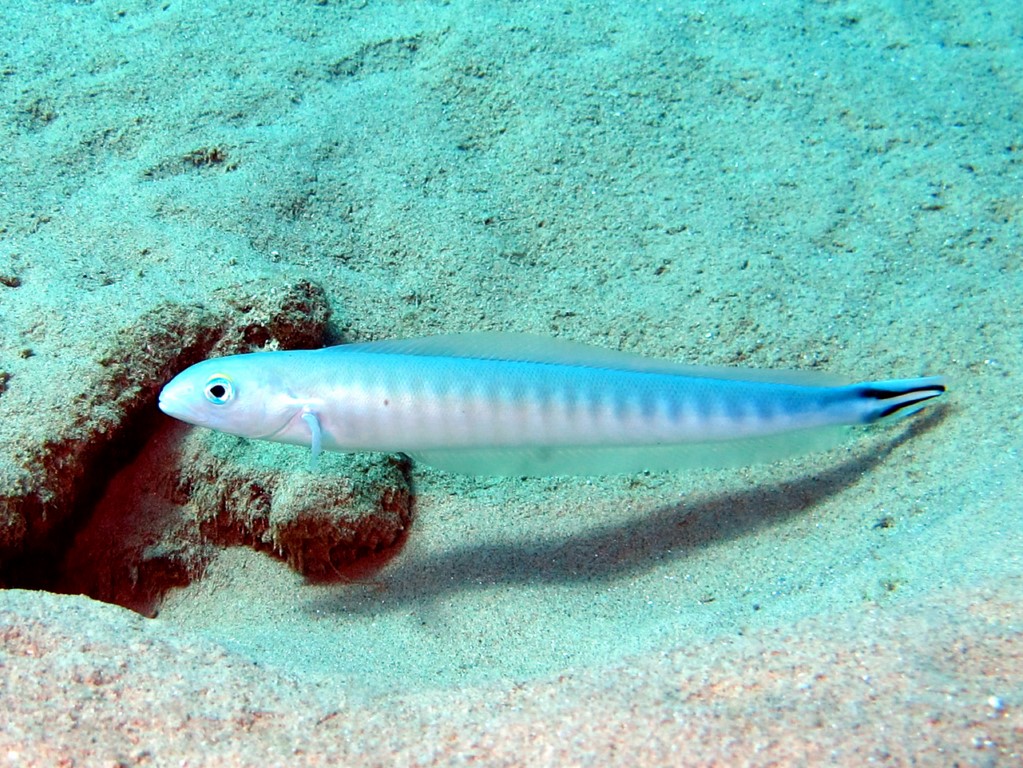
[{"x": 508, "y": 404}]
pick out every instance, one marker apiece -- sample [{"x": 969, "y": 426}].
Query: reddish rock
[
  {"x": 101, "y": 407},
  {"x": 135, "y": 530},
  {"x": 192, "y": 491}
]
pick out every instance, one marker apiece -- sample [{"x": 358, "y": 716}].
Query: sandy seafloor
[{"x": 828, "y": 185}]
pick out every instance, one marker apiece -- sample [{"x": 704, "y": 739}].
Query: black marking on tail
[{"x": 904, "y": 397}]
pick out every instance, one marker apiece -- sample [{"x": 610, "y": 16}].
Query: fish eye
[{"x": 219, "y": 390}]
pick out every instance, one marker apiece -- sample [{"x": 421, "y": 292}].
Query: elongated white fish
[{"x": 510, "y": 404}]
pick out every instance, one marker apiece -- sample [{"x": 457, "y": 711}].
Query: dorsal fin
[{"x": 524, "y": 347}]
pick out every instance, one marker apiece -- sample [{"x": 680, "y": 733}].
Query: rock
[
  {"x": 78, "y": 513},
  {"x": 192, "y": 491}
]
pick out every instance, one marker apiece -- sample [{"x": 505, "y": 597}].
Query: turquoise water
[{"x": 834, "y": 186}]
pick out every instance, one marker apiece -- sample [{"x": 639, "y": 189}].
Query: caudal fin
[{"x": 890, "y": 400}]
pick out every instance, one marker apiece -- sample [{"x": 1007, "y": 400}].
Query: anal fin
[{"x": 609, "y": 460}]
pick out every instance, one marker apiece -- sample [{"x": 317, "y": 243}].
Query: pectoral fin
[{"x": 316, "y": 438}]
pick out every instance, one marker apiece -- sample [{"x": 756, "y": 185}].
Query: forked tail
[{"x": 890, "y": 400}]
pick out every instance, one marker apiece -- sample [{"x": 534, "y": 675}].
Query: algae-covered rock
[
  {"x": 89, "y": 413},
  {"x": 74, "y": 514},
  {"x": 191, "y": 492}
]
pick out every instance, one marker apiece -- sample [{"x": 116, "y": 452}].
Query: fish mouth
[
  {"x": 173, "y": 401},
  {"x": 167, "y": 406}
]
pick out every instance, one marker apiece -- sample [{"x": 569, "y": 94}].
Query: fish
[{"x": 509, "y": 404}]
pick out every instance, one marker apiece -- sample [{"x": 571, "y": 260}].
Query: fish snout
[{"x": 176, "y": 398}]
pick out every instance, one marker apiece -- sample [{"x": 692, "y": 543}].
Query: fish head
[{"x": 240, "y": 395}]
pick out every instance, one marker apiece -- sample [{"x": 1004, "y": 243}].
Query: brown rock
[
  {"x": 158, "y": 521},
  {"x": 49, "y": 473},
  {"x": 192, "y": 491}
]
